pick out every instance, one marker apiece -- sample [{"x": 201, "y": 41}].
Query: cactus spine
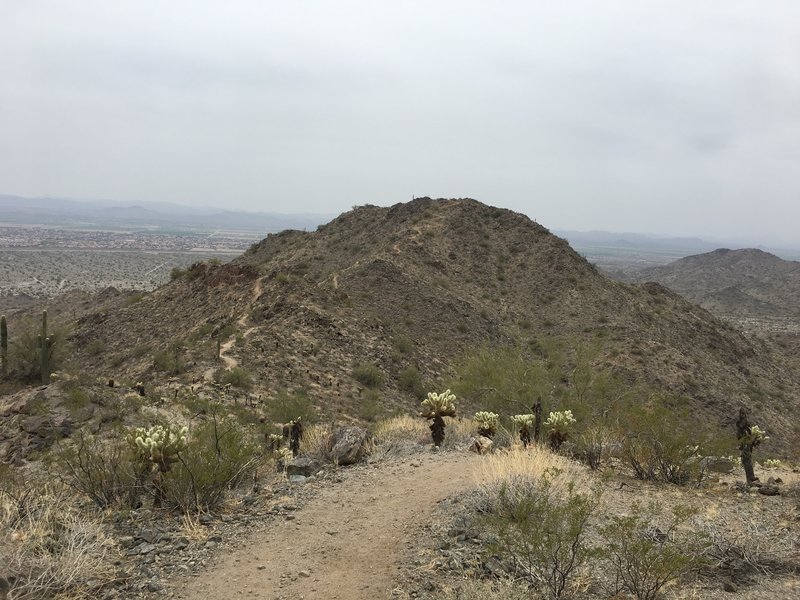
[
  {"x": 45, "y": 350},
  {"x": 3, "y": 345}
]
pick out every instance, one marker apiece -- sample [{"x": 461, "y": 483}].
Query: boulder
[
  {"x": 349, "y": 445},
  {"x": 770, "y": 488},
  {"x": 302, "y": 465},
  {"x": 481, "y": 444},
  {"x": 718, "y": 464}
]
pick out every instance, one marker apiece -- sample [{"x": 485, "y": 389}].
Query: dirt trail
[
  {"x": 229, "y": 361},
  {"x": 344, "y": 544}
]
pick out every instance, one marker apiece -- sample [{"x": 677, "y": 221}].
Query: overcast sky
[{"x": 632, "y": 115}]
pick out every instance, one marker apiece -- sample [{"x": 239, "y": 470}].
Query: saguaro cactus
[
  {"x": 45, "y": 350},
  {"x": 3, "y": 345}
]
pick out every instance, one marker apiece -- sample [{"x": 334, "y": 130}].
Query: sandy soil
[{"x": 347, "y": 542}]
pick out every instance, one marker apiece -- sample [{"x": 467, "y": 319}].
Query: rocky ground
[{"x": 407, "y": 527}]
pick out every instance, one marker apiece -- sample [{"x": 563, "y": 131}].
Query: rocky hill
[
  {"x": 741, "y": 283},
  {"x": 346, "y": 312}
]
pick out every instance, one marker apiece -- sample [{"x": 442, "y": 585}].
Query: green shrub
[
  {"x": 541, "y": 530},
  {"x": 664, "y": 442},
  {"x": 403, "y": 345},
  {"x": 106, "y": 472},
  {"x": 95, "y": 347},
  {"x": 24, "y": 362},
  {"x": 76, "y": 399},
  {"x": 501, "y": 379},
  {"x": 219, "y": 456},
  {"x": 238, "y": 377},
  {"x": 286, "y": 407},
  {"x": 595, "y": 444},
  {"x": 644, "y": 557},
  {"x": 370, "y": 407},
  {"x": 368, "y": 375},
  {"x": 169, "y": 361},
  {"x": 410, "y": 381}
]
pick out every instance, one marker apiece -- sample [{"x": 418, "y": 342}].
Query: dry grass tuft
[
  {"x": 192, "y": 528},
  {"x": 48, "y": 548},
  {"x": 501, "y": 589},
  {"x": 528, "y": 464},
  {"x": 317, "y": 441}
]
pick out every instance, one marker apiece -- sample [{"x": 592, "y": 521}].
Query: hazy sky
[{"x": 637, "y": 115}]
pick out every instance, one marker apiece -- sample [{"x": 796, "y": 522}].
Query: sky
[{"x": 674, "y": 117}]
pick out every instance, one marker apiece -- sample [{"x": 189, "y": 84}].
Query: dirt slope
[{"x": 346, "y": 543}]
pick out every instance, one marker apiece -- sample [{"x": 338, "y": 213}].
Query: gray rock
[
  {"x": 729, "y": 586},
  {"x": 770, "y": 488},
  {"x": 145, "y": 548},
  {"x": 181, "y": 543},
  {"x": 718, "y": 464},
  {"x": 742, "y": 572},
  {"x": 481, "y": 444},
  {"x": 349, "y": 445},
  {"x": 302, "y": 465}
]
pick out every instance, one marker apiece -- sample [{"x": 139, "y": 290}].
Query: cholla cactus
[
  {"x": 274, "y": 442},
  {"x": 559, "y": 424},
  {"x": 283, "y": 454},
  {"x": 525, "y": 424},
  {"x": 771, "y": 463},
  {"x": 757, "y": 435},
  {"x": 160, "y": 445},
  {"x": 436, "y": 407},
  {"x": 487, "y": 423},
  {"x": 442, "y": 405}
]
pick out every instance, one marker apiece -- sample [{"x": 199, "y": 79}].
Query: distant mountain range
[
  {"x": 146, "y": 215},
  {"x": 611, "y": 249},
  {"x": 745, "y": 283}
]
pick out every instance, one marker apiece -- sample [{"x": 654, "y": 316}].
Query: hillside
[
  {"x": 415, "y": 286},
  {"x": 739, "y": 283}
]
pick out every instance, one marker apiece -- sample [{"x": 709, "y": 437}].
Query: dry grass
[
  {"x": 192, "y": 528},
  {"x": 502, "y": 589},
  {"x": 317, "y": 441},
  {"x": 48, "y": 548},
  {"x": 518, "y": 464},
  {"x": 406, "y": 434}
]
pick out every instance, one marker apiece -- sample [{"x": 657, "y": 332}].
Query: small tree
[
  {"x": 525, "y": 424},
  {"x": 559, "y": 425},
  {"x": 487, "y": 423},
  {"x": 436, "y": 407}
]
